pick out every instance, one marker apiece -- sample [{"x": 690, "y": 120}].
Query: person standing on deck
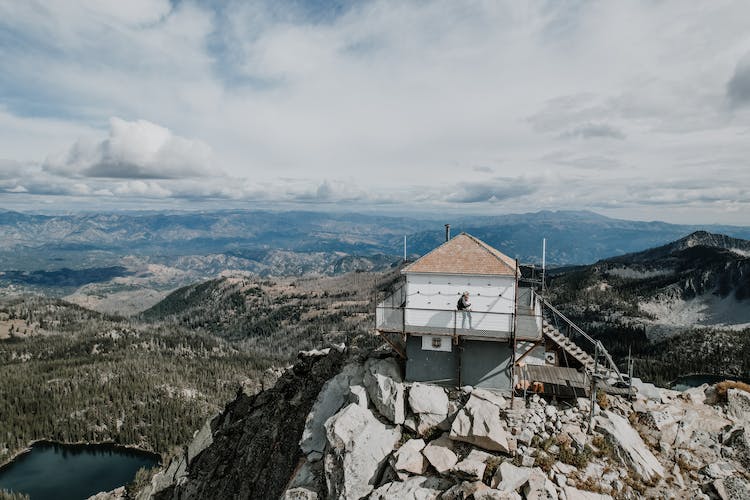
[{"x": 464, "y": 305}]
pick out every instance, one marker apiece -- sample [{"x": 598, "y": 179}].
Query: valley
[
  {"x": 74, "y": 375},
  {"x": 138, "y": 343},
  {"x": 679, "y": 308}
]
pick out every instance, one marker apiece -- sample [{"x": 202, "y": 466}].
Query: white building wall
[{"x": 492, "y": 300}]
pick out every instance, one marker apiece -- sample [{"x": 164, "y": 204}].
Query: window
[{"x": 437, "y": 342}]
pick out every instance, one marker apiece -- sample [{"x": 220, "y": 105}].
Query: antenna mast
[{"x": 544, "y": 261}]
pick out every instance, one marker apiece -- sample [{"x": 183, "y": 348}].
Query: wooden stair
[{"x": 569, "y": 346}]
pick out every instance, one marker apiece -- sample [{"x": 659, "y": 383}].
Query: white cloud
[
  {"x": 141, "y": 189},
  {"x": 382, "y": 102},
  {"x": 135, "y": 150}
]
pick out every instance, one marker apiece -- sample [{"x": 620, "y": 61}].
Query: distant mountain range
[
  {"x": 573, "y": 237},
  {"x": 702, "y": 279},
  {"x": 127, "y": 261}
]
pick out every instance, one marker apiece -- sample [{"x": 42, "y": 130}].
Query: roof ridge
[
  {"x": 427, "y": 262},
  {"x": 493, "y": 251},
  {"x": 431, "y": 251}
]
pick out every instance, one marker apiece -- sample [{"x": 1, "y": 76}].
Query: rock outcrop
[
  {"x": 254, "y": 446},
  {"x": 409, "y": 457},
  {"x": 418, "y": 488},
  {"x": 332, "y": 430},
  {"x": 430, "y": 404},
  {"x": 359, "y": 446},
  {"x": 334, "y": 394},
  {"x": 479, "y": 423},
  {"x": 633, "y": 451},
  {"x": 440, "y": 454},
  {"x": 738, "y": 404},
  {"x": 384, "y": 384}
]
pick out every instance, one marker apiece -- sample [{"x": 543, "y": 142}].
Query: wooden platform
[{"x": 554, "y": 380}]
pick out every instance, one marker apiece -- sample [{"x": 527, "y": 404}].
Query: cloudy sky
[{"x": 632, "y": 109}]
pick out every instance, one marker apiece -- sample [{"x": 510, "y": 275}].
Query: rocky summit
[{"x": 342, "y": 426}]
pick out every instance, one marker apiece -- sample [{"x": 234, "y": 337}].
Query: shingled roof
[{"x": 464, "y": 254}]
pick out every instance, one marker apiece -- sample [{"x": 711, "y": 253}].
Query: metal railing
[
  {"x": 596, "y": 345},
  {"x": 392, "y": 315}
]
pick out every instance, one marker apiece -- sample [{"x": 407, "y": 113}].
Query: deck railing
[
  {"x": 392, "y": 315},
  {"x": 574, "y": 332}
]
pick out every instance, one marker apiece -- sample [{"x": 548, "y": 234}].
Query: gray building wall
[
  {"x": 437, "y": 367},
  {"x": 486, "y": 364},
  {"x": 482, "y": 364}
]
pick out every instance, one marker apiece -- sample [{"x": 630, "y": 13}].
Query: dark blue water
[
  {"x": 688, "y": 381},
  {"x": 72, "y": 472}
]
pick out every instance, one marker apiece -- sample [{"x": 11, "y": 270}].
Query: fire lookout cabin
[{"x": 509, "y": 341}]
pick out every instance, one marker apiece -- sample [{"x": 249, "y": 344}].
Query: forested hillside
[
  {"x": 101, "y": 379},
  {"x": 680, "y": 308},
  {"x": 277, "y": 317},
  {"x": 76, "y": 375}
]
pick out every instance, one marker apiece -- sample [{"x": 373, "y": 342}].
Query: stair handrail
[
  {"x": 569, "y": 322},
  {"x": 611, "y": 362},
  {"x": 595, "y": 343}
]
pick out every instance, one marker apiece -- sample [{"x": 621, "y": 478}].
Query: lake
[
  {"x": 73, "y": 472},
  {"x": 688, "y": 381}
]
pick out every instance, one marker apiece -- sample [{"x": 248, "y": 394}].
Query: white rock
[
  {"x": 358, "y": 445},
  {"x": 410, "y": 423},
  {"x": 491, "y": 494},
  {"x": 525, "y": 437},
  {"x": 738, "y": 404},
  {"x": 527, "y": 461},
  {"x": 429, "y": 421},
  {"x": 201, "y": 440},
  {"x": 315, "y": 353},
  {"x": 576, "y": 494},
  {"x": 478, "y": 423},
  {"x": 358, "y": 395},
  {"x": 426, "y": 398},
  {"x": 479, "y": 456},
  {"x": 631, "y": 447},
  {"x": 561, "y": 479},
  {"x": 539, "y": 487},
  {"x": 491, "y": 397},
  {"x": 563, "y": 468},
  {"x": 696, "y": 395},
  {"x": 732, "y": 488},
  {"x": 584, "y": 404},
  {"x": 299, "y": 493},
  {"x": 646, "y": 390},
  {"x": 719, "y": 470},
  {"x": 440, "y": 454},
  {"x": 469, "y": 469},
  {"x": 176, "y": 473},
  {"x": 116, "y": 494},
  {"x": 508, "y": 477},
  {"x": 409, "y": 457},
  {"x": 464, "y": 490},
  {"x": 332, "y": 396},
  {"x": 430, "y": 403},
  {"x": 550, "y": 411},
  {"x": 417, "y": 488},
  {"x": 385, "y": 387}
]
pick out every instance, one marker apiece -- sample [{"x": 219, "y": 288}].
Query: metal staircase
[
  {"x": 600, "y": 364},
  {"x": 568, "y": 346}
]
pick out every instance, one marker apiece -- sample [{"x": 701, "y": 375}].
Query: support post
[
  {"x": 594, "y": 376},
  {"x": 513, "y": 343},
  {"x": 544, "y": 261}
]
